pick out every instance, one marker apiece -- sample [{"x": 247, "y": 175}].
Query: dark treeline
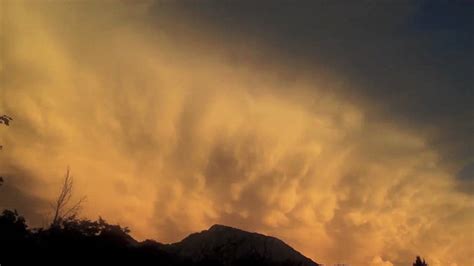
[
  {"x": 75, "y": 242},
  {"x": 87, "y": 242}
]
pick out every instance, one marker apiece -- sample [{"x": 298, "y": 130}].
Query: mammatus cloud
[
  {"x": 378, "y": 261},
  {"x": 169, "y": 133}
]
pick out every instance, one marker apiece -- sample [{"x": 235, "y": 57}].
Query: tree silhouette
[
  {"x": 419, "y": 262},
  {"x": 61, "y": 208}
]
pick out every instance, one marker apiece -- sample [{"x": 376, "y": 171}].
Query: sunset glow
[{"x": 171, "y": 124}]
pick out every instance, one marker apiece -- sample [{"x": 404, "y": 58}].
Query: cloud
[
  {"x": 17, "y": 193},
  {"x": 378, "y": 261},
  {"x": 169, "y": 131},
  {"x": 411, "y": 61}
]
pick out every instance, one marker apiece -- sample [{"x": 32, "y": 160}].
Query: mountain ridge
[{"x": 226, "y": 245}]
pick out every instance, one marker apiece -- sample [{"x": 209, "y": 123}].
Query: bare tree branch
[{"x": 61, "y": 208}]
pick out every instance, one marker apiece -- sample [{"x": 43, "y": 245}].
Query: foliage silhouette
[
  {"x": 75, "y": 242},
  {"x": 419, "y": 262},
  {"x": 4, "y": 119}
]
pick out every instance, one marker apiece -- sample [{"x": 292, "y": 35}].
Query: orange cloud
[{"x": 168, "y": 139}]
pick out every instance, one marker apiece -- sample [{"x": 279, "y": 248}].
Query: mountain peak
[{"x": 220, "y": 227}]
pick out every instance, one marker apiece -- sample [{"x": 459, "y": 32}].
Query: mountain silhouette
[
  {"x": 224, "y": 245},
  {"x": 86, "y": 242}
]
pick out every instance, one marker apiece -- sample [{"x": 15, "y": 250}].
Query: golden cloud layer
[{"x": 168, "y": 138}]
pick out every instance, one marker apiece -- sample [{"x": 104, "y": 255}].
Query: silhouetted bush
[{"x": 12, "y": 226}]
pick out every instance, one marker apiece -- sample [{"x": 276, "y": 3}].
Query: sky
[{"x": 343, "y": 128}]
